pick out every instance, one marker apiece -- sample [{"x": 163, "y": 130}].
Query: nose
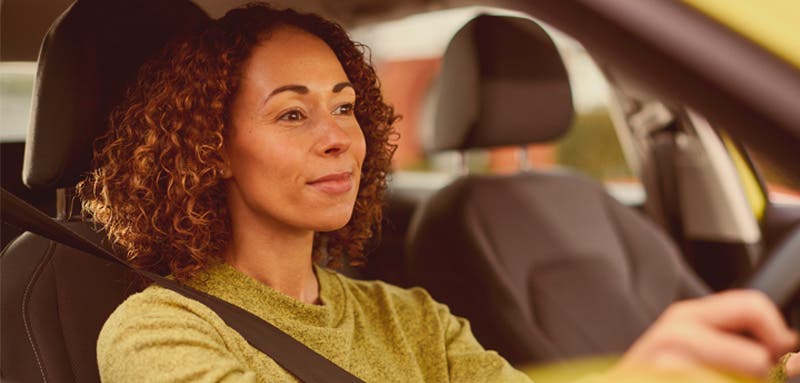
[{"x": 334, "y": 138}]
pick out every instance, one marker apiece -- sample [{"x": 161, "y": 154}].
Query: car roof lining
[{"x": 755, "y": 102}]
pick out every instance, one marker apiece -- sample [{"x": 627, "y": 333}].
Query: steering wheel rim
[{"x": 779, "y": 277}]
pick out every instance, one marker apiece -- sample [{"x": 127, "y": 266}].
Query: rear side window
[{"x": 16, "y": 89}]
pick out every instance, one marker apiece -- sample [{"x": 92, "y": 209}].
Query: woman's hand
[
  {"x": 793, "y": 365},
  {"x": 738, "y": 332}
]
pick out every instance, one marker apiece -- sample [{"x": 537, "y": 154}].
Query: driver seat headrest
[{"x": 90, "y": 55}]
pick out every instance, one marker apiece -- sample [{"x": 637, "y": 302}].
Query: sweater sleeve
[
  {"x": 467, "y": 360},
  {"x": 164, "y": 341}
]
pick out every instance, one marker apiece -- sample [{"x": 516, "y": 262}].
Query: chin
[
  {"x": 332, "y": 218},
  {"x": 332, "y": 223},
  {"x": 329, "y": 228}
]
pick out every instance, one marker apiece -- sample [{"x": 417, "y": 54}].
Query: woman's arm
[
  {"x": 736, "y": 332},
  {"x": 793, "y": 365},
  {"x": 154, "y": 341},
  {"x": 467, "y": 360}
]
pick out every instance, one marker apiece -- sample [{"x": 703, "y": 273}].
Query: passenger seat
[{"x": 545, "y": 265}]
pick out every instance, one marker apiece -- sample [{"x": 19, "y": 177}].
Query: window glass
[
  {"x": 16, "y": 89},
  {"x": 592, "y": 146},
  {"x": 755, "y": 195}
]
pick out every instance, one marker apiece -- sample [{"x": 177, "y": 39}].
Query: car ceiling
[
  {"x": 755, "y": 102},
  {"x": 23, "y": 23}
]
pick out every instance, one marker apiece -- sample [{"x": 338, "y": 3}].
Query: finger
[
  {"x": 745, "y": 311},
  {"x": 723, "y": 351},
  {"x": 793, "y": 366}
]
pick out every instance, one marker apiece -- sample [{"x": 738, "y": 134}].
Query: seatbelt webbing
[
  {"x": 304, "y": 363},
  {"x": 664, "y": 150}
]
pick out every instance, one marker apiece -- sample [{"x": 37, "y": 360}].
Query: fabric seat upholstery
[{"x": 545, "y": 265}]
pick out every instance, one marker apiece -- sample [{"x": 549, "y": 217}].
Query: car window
[
  {"x": 755, "y": 194},
  {"x": 16, "y": 88}
]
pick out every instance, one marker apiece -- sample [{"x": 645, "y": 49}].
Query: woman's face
[{"x": 295, "y": 148}]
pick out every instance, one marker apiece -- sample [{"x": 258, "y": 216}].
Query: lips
[{"x": 334, "y": 183}]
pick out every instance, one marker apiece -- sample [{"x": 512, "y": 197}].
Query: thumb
[{"x": 793, "y": 365}]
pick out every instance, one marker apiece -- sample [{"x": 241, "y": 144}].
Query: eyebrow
[
  {"x": 338, "y": 87},
  {"x": 286, "y": 88},
  {"x": 302, "y": 89}
]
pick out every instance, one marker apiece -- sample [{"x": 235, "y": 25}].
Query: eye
[
  {"x": 292, "y": 115},
  {"x": 344, "y": 109}
]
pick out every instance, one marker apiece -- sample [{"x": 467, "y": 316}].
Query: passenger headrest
[
  {"x": 88, "y": 58},
  {"x": 502, "y": 83}
]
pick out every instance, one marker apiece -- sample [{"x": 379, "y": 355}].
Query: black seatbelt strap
[
  {"x": 304, "y": 363},
  {"x": 664, "y": 149}
]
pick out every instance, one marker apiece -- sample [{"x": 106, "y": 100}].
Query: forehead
[{"x": 291, "y": 55}]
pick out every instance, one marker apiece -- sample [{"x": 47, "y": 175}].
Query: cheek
[
  {"x": 256, "y": 159},
  {"x": 359, "y": 146}
]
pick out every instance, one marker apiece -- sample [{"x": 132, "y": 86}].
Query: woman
[{"x": 258, "y": 147}]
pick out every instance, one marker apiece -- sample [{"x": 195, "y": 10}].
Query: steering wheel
[{"x": 779, "y": 278}]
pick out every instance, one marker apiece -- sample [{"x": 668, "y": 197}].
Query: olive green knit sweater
[{"x": 376, "y": 331}]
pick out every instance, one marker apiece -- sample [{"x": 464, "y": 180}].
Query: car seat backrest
[
  {"x": 54, "y": 305},
  {"x": 55, "y": 299},
  {"x": 545, "y": 265}
]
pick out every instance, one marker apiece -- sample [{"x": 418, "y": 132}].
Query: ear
[
  {"x": 225, "y": 173},
  {"x": 224, "y": 170}
]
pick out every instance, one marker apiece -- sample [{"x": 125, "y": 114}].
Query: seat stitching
[
  {"x": 63, "y": 331},
  {"x": 25, "y": 300}
]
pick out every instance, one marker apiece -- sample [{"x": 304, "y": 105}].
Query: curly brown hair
[{"x": 156, "y": 186}]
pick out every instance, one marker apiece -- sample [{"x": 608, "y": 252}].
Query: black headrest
[
  {"x": 502, "y": 83},
  {"x": 88, "y": 58}
]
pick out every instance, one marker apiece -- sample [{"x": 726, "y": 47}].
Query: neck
[
  {"x": 278, "y": 266},
  {"x": 276, "y": 255}
]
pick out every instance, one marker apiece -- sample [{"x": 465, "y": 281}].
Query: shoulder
[
  {"x": 156, "y": 302},
  {"x": 160, "y": 335},
  {"x": 154, "y": 313}
]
